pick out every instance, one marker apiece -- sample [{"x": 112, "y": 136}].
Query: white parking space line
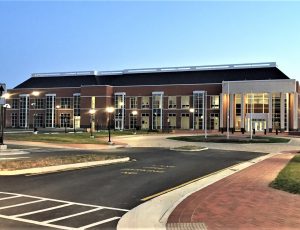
[
  {"x": 21, "y": 217},
  {"x": 98, "y": 223},
  {"x": 10, "y": 197},
  {"x": 75, "y": 203},
  {"x": 36, "y": 222},
  {"x": 21, "y": 204},
  {"x": 42, "y": 210},
  {"x": 69, "y": 216}
]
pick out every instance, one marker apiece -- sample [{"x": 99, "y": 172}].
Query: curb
[
  {"x": 51, "y": 169},
  {"x": 189, "y": 150},
  {"x": 154, "y": 213}
]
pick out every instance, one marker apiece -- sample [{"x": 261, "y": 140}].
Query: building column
[
  {"x": 242, "y": 111},
  {"x": 282, "y": 110},
  {"x": 295, "y": 111},
  {"x": 270, "y": 125},
  {"x": 221, "y": 110},
  {"x": 287, "y": 111},
  {"x": 232, "y": 110}
]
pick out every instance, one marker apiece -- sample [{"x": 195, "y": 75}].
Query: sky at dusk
[{"x": 39, "y": 36}]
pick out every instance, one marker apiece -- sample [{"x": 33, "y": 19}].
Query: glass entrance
[{"x": 257, "y": 124}]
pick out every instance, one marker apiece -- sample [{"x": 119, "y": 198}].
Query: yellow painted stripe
[{"x": 187, "y": 183}]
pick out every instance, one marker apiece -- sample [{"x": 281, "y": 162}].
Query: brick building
[{"x": 243, "y": 96}]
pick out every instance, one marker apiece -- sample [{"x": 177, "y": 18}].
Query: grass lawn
[
  {"x": 238, "y": 140},
  {"x": 289, "y": 177},
  {"x": 51, "y": 161},
  {"x": 73, "y": 138}
]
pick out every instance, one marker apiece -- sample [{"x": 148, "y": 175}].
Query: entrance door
[
  {"x": 259, "y": 125},
  {"x": 185, "y": 121},
  {"x": 145, "y": 121}
]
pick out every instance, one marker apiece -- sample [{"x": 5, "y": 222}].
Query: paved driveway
[{"x": 114, "y": 187}]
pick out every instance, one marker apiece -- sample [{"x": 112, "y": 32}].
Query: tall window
[
  {"x": 76, "y": 100},
  {"x": 238, "y": 111},
  {"x": 157, "y": 106},
  {"x": 276, "y": 110},
  {"x": 185, "y": 102},
  {"x": 50, "y": 110},
  {"x": 38, "y": 120},
  {"x": 132, "y": 121},
  {"x": 14, "y": 120},
  {"x": 65, "y": 119},
  {"x": 14, "y": 104},
  {"x": 133, "y": 102},
  {"x": 38, "y": 103},
  {"x": 215, "y": 102},
  {"x": 172, "y": 120},
  {"x": 24, "y": 112},
  {"x": 172, "y": 102},
  {"x": 145, "y": 103},
  {"x": 65, "y": 103}
]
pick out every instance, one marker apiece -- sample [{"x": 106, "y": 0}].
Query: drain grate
[{"x": 186, "y": 226}]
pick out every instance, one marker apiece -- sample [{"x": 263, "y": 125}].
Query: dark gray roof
[{"x": 156, "y": 78}]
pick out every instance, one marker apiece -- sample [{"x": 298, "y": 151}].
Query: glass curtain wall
[
  {"x": 24, "y": 111},
  {"x": 50, "y": 110},
  {"x": 198, "y": 106},
  {"x": 119, "y": 110},
  {"x": 157, "y": 106}
]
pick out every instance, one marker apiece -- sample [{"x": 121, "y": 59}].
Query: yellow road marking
[{"x": 187, "y": 183}]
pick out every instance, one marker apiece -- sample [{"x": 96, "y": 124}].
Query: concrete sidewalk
[
  {"x": 241, "y": 201},
  {"x": 67, "y": 145}
]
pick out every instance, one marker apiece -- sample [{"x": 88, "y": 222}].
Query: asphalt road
[{"x": 114, "y": 187}]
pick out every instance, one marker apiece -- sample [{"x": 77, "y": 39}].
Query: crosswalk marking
[{"x": 21, "y": 217}]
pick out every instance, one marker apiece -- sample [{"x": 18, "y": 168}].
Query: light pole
[
  {"x": 57, "y": 118},
  {"x": 109, "y": 110},
  {"x": 92, "y": 113},
  {"x": 3, "y": 116},
  {"x": 65, "y": 122},
  {"x": 192, "y": 110},
  {"x": 35, "y": 94},
  {"x": 134, "y": 117},
  {"x": 33, "y": 120}
]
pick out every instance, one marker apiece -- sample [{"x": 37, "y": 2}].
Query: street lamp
[
  {"x": 192, "y": 110},
  {"x": 57, "y": 119},
  {"x": 35, "y": 94},
  {"x": 65, "y": 122},
  {"x": 92, "y": 113},
  {"x": 3, "y": 117},
  {"x": 34, "y": 116},
  {"x": 109, "y": 110},
  {"x": 134, "y": 113}
]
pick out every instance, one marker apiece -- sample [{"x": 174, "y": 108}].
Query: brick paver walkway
[{"x": 243, "y": 201}]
